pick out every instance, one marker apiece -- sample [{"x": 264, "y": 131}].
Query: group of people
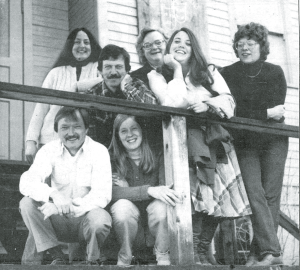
[{"x": 93, "y": 171}]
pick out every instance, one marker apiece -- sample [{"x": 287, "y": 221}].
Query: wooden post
[{"x": 177, "y": 173}]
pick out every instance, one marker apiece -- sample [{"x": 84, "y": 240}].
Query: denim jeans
[
  {"x": 262, "y": 168},
  {"x": 91, "y": 228},
  {"x": 126, "y": 217}
]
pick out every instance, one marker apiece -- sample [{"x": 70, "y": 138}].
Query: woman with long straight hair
[
  {"x": 139, "y": 196},
  {"x": 217, "y": 189}
]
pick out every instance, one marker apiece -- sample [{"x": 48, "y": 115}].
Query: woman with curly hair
[{"x": 260, "y": 90}]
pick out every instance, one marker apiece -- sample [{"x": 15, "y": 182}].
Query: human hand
[
  {"x": 165, "y": 194},
  {"x": 276, "y": 112},
  {"x": 30, "y": 151},
  {"x": 48, "y": 209},
  {"x": 198, "y": 107},
  {"x": 170, "y": 61},
  {"x": 117, "y": 181},
  {"x": 127, "y": 79},
  {"x": 62, "y": 203}
]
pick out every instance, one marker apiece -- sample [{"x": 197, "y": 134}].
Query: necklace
[{"x": 253, "y": 75}]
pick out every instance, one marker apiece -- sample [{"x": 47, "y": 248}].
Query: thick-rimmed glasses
[
  {"x": 240, "y": 45},
  {"x": 147, "y": 46}
]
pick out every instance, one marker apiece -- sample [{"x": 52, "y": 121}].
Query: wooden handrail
[{"x": 43, "y": 95}]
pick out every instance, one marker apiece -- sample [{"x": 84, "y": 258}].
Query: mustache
[
  {"x": 114, "y": 76},
  {"x": 71, "y": 137}
]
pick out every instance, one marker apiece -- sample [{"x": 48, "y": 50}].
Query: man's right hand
[
  {"x": 62, "y": 203},
  {"x": 30, "y": 151}
]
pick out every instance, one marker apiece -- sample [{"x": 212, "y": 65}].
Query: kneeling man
[{"x": 72, "y": 208}]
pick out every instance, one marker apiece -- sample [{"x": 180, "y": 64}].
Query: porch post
[{"x": 177, "y": 173}]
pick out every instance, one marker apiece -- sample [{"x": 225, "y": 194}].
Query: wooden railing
[{"x": 175, "y": 149}]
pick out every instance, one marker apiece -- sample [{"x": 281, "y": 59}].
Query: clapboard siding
[
  {"x": 123, "y": 27},
  {"x": 50, "y": 29},
  {"x": 219, "y": 29},
  {"x": 83, "y": 14}
]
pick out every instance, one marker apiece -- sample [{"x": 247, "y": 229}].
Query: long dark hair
[
  {"x": 199, "y": 72},
  {"x": 119, "y": 153},
  {"x": 66, "y": 56}
]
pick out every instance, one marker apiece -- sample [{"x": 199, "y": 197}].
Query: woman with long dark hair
[
  {"x": 217, "y": 189},
  {"x": 139, "y": 196},
  {"x": 77, "y": 62},
  {"x": 260, "y": 90}
]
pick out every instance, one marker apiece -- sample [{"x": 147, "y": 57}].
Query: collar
[
  {"x": 108, "y": 93},
  {"x": 83, "y": 148}
]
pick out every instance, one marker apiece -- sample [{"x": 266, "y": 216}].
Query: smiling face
[
  {"x": 246, "y": 54},
  {"x": 113, "y": 72},
  {"x": 72, "y": 132},
  {"x": 82, "y": 48},
  {"x": 130, "y": 134},
  {"x": 181, "y": 48},
  {"x": 155, "y": 55}
]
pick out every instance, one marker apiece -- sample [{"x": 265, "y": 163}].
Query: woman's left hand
[{"x": 198, "y": 107}]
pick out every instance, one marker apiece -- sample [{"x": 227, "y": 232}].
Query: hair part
[
  {"x": 66, "y": 56},
  {"x": 199, "y": 72},
  {"x": 257, "y": 32},
  {"x": 140, "y": 41},
  {"x": 70, "y": 113},
  {"x": 119, "y": 153},
  {"x": 114, "y": 51}
]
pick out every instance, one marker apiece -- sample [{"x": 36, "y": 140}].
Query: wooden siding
[
  {"x": 123, "y": 27},
  {"x": 50, "y": 28},
  {"x": 220, "y": 33},
  {"x": 83, "y": 14}
]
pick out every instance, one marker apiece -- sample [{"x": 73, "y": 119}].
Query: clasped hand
[
  {"x": 165, "y": 194},
  {"x": 276, "y": 112}
]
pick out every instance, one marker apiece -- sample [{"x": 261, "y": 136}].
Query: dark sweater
[
  {"x": 254, "y": 95},
  {"x": 139, "y": 182}
]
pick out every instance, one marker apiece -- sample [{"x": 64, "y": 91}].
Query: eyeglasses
[
  {"x": 147, "y": 46},
  {"x": 240, "y": 45}
]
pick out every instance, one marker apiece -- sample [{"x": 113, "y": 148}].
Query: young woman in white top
[
  {"x": 217, "y": 189},
  {"x": 77, "y": 62}
]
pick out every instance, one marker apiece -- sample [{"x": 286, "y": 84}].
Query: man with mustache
[
  {"x": 71, "y": 209},
  {"x": 114, "y": 65}
]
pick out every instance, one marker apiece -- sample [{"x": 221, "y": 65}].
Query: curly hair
[
  {"x": 140, "y": 40},
  {"x": 257, "y": 32},
  {"x": 66, "y": 56}
]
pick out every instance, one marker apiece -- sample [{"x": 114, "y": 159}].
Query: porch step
[{"x": 151, "y": 267}]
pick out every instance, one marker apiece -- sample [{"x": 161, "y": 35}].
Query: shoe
[
  {"x": 122, "y": 264},
  {"x": 252, "y": 259},
  {"x": 58, "y": 261},
  {"x": 269, "y": 259},
  {"x": 162, "y": 258}
]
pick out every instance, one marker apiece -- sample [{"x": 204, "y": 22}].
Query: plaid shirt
[{"x": 101, "y": 122}]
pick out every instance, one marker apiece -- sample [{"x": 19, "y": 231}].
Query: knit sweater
[{"x": 41, "y": 127}]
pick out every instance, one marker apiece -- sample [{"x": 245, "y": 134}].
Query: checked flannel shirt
[{"x": 101, "y": 122}]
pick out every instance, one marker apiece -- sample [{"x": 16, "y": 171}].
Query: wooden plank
[
  {"x": 56, "y": 4},
  {"x": 37, "y": 94},
  {"x": 177, "y": 174},
  {"x": 120, "y": 18},
  {"x": 50, "y": 22},
  {"x": 123, "y": 28},
  {"x": 289, "y": 225},
  {"x": 122, "y": 9},
  {"x": 128, "y": 3}
]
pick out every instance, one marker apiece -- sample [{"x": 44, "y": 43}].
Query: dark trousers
[{"x": 262, "y": 168}]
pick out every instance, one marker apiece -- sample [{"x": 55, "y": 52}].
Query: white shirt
[{"x": 87, "y": 175}]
